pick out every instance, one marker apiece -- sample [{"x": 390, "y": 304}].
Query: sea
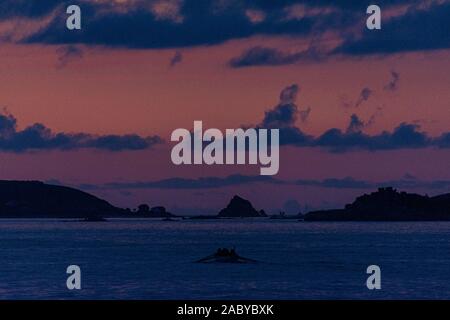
[{"x": 155, "y": 259}]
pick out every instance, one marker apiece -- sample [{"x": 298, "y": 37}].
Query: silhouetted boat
[
  {"x": 223, "y": 255},
  {"x": 168, "y": 219}
]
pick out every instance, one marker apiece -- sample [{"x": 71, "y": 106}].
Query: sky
[{"x": 356, "y": 108}]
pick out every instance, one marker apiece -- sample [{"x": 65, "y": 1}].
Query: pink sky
[{"x": 135, "y": 91}]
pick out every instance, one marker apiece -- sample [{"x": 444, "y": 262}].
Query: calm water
[{"x": 154, "y": 259}]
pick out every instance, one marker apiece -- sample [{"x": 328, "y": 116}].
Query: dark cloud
[
  {"x": 364, "y": 95},
  {"x": 39, "y": 137},
  {"x": 405, "y": 136},
  {"x": 285, "y": 113},
  {"x": 68, "y": 54},
  {"x": 351, "y": 183},
  {"x": 289, "y": 94},
  {"x": 176, "y": 59},
  {"x": 304, "y": 114},
  {"x": 392, "y": 85},
  {"x": 37, "y": 8},
  {"x": 343, "y": 183},
  {"x": 378, "y": 113},
  {"x": 183, "y": 23},
  {"x": 416, "y": 184},
  {"x": 28, "y": 8},
  {"x": 356, "y": 125},
  {"x": 443, "y": 141},
  {"x": 137, "y": 26},
  {"x": 200, "y": 183},
  {"x": 423, "y": 27},
  {"x": 235, "y": 180},
  {"x": 359, "y": 5},
  {"x": 119, "y": 142},
  {"x": 264, "y": 56}
]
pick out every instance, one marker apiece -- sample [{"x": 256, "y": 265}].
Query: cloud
[
  {"x": 341, "y": 183},
  {"x": 38, "y": 137},
  {"x": 264, "y": 56},
  {"x": 304, "y": 114},
  {"x": 176, "y": 59},
  {"x": 443, "y": 141},
  {"x": 378, "y": 112},
  {"x": 284, "y": 116},
  {"x": 200, "y": 183},
  {"x": 364, "y": 95},
  {"x": 405, "y": 136},
  {"x": 423, "y": 27},
  {"x": 236, "y": 180},
  {"x": 356, "y": 125},
  {"x": 285, "y": 113},
  {"x": 27, "y": 8},
  {"x": 164, "y": 24},
  {"x": 289, "y": 94},
  {"x": 147, "y": 24},
  {"x": 351, "y": 183},
  {"x": 392, "y": 85},
  {"x": 68, "y": 54}
]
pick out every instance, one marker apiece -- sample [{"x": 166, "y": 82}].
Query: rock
[
  {"x": 160, "y": 212},
  {"x": 155, "y": 212},
  {"x": 238, "y": 208}
]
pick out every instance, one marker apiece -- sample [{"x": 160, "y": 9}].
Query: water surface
[{"x": 152, "y": 259}]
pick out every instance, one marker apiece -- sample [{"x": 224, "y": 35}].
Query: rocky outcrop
[
  {"x": 240, "y": 208},
  {"x": 155, "y": 212}
]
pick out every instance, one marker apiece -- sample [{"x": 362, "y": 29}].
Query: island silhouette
[
  {"x": 35, "y": 199},
  {"x": 387, "y": 204},
  {"x": 240, "y": 207},
  {"x": 237, "y": 208}
]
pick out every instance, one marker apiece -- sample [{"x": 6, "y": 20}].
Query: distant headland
[
  {"x": 387, "y": 204},
  {"x": 35, "y": 199}
]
